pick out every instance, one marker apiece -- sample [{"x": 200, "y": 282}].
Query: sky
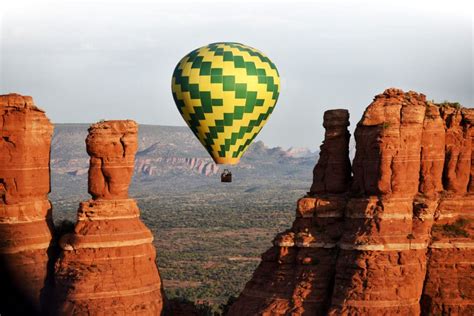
[{"x": 83, "y": 61}]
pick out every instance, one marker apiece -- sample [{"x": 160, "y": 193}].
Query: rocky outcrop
[
  {"x": 397, "y": 238},
  {"x": 25, "y": 211},
  {"x": 107, "y": 265}
]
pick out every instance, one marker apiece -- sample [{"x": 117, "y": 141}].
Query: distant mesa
[{"x": 299, "y": 152}]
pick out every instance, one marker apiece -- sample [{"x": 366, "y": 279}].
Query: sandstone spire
[
  {"x": 108, "y": 264},
  {"x": 332, "y": 173},
  {"x": 25, "y": 211},
  {"x": 399, "y": 241}
]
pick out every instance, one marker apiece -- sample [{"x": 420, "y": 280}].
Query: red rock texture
[
  {"x": 332, "y": 173},
  {"x": 107, "y": 265},
  {"x": 112, "y": 149},
  {"x": 399, "y": 240},
  {"x": 388, "y": 142},
  {"x": 449, "y": 282},
  {"x": 433, "y": 141},
  {"x": 25, "y": 211}
]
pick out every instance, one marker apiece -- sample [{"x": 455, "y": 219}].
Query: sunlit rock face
[
  {"x": 25, "y": 211},
  {"x": 107, "y": 265},
  {"x": 391, "y": 235}
]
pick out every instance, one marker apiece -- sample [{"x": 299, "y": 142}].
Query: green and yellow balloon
[{"x": 225, "y": 93}]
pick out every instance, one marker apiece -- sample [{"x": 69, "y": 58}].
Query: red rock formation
[
  {"x": 383, "y": 243},
  {"x": 449, "y": 282},
  {"x": 388, "y": 142},
  {"x": 332, "y": 173},
  {"x": 399, "y": 241},
  {"x": 458, "y": 150},
  {"x": 25, "y": 211},
  {"x": 107, "y": 266},
  {"x": 433, "y": 141}
]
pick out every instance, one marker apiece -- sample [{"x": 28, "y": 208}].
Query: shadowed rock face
[
  {"x": 332, "y": 173},
  {"x": 399, "y": 239},
  {"x": 25, "y": 211},
  {"x": 108, "y": 264}
]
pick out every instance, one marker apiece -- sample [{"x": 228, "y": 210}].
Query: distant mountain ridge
[{"x": 165, "y": 149}]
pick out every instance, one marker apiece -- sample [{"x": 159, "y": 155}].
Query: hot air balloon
[{"x": 225, "y": 92}]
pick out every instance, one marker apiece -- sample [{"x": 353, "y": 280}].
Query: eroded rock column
[
  {"x": 25, "y": 211},
  {"x": 332, "y": 173},
  {"x": 108, "y": 264}
]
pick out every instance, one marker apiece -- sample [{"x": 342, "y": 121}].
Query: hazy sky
[{"x": 83, "y": 61}]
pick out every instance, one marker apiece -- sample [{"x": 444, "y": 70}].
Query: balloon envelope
[{"x": 225, "y": 93}]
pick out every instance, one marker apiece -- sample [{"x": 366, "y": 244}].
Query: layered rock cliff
[
  {"x": 25, "y": 211},
  {"x": 107, "y": 265},
  {"x": 391, "y": 235}
]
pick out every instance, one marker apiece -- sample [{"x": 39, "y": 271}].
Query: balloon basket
[{"x": 226, "y": 176}]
